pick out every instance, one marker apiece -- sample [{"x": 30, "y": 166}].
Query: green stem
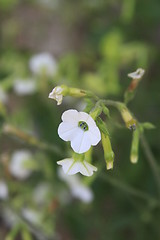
[
  {"x": 112, "y": 103},
  {"x": 152, "y": 161},
  {"x": 33, "y": 229},
  {"x": 29, "y": 139},
  {"x": 130, "y": 190}
]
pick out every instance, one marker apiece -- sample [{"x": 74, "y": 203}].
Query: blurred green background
[{"x": 93, "y": 45}]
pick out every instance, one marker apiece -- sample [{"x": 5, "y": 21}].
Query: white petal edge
[
  {"x": 94, "y": 136},
  {"x": 70, "y": 116},
  {"x": 87, "y": 169},
  {"x": 70, "y": 167}
]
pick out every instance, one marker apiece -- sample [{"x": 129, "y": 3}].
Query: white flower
[
  {"x": 24, "y": 87},
  {"x": 78, "y": 189},
  {"x": 81, "y": 192},
  {"x": 17, "y": 164},
  {"x": 3, "y": 96},
  {"x": 41, "y": 192},
  {"x": 80, "y": 129},
  {"x": 10, "y": 218},
  {"x": 31, "y": 215},
  {"x": 138, "y": 74},
  {"x": 71, "y": 166},
  {"x": 43, "y": 62},
  {"x": 3, "y": 190},
  {"x": 56, "y": 94}
]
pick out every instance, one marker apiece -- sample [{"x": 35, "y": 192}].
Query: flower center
[{"x": 83, "y": 125}]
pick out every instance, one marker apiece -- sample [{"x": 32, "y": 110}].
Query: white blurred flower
[
  {"x": 43, "y": 63},
  {"x": 77, "y": 188},
  {"x": 31, "y": 215},
  {"x": 56, "y": 94},
  {"x": 138, "y": 74},
  {"x": 81, "y": 192},
  {"x": 3, "y": 190},
  {"x": 17, "y": 164},
  {"x": 80, "y": 129},
  {"x": 71, "y": 167},
  {"x": 24, "y": 87},
  {"x": 3, "y": 96},
  {"x": 41, "y": 192},
  {"x": 10, "y": 217}
]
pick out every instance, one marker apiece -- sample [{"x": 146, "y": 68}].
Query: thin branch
[
  {"x": 152, "y": 161},
  {"x": 30, "y": 139},
  {"x": 130, "y": 190},
  {"x": 38, "y": 233}
]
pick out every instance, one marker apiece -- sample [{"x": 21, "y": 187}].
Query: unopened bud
[
  {"x": 135, "y": 146},
  {"x": 128, "y": 119},
  {"x": 108, "y": 152}
]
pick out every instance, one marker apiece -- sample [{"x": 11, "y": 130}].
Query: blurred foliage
[{"x": 96, "y": 43}]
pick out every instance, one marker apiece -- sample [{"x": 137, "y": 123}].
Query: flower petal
[
  {"x": 70, "y": 116},
  {"x": 87, "y": 118},
  {"x": 94, "y": 135},
  {"x": 87, "y": 169},
  {"x": 67, "y": 131},
  {"x": 59, "y": 99},
  {"x": 81, "y": 142},
  {"x": 137, "y": 74},
  {"x": 69, "y": 166}
]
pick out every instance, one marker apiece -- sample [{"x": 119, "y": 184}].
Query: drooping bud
[
  {"x": 108, "y": 152},
  {"x": 58, "y": 93},
  {"x": 134, "y": 146},
  {"x": 128, "y": 118}
]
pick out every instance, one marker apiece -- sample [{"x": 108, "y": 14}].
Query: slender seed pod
[
  {"x": 108, "y": 152},
  {"x": 134, "y": 146}
]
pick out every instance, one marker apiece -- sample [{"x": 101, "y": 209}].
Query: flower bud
[
  {"x": 76, "y": 92},
  {"x": 108, "y": 152},
  {"x": 135, "y": 146},
  {"x": 58, "y": 93},
  {"x": 128, "y": 119},
  {"x": 136, "y": 77}
]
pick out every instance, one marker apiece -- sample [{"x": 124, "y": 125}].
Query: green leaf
[{"x": 148, "y": 125}]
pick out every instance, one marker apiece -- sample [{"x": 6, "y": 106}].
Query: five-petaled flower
[
  {"x": 71, "y": 166},
  {"x": 56, "y": 94},
  {"x": 80, "y": 129}
]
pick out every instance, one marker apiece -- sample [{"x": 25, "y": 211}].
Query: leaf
[{"x": 148, "y": 125}]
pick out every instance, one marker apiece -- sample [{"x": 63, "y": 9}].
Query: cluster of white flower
[
  {"x": 78, "y": 189},
  {"x": 43, "y": 63},
  {"x": 81, "y": 130},
  {"x": 17, "y": 166}
]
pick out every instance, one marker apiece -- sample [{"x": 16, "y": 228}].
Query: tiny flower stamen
[
  {"x": 132, "y": 127},
  {"x": 83, "y": 125}
]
